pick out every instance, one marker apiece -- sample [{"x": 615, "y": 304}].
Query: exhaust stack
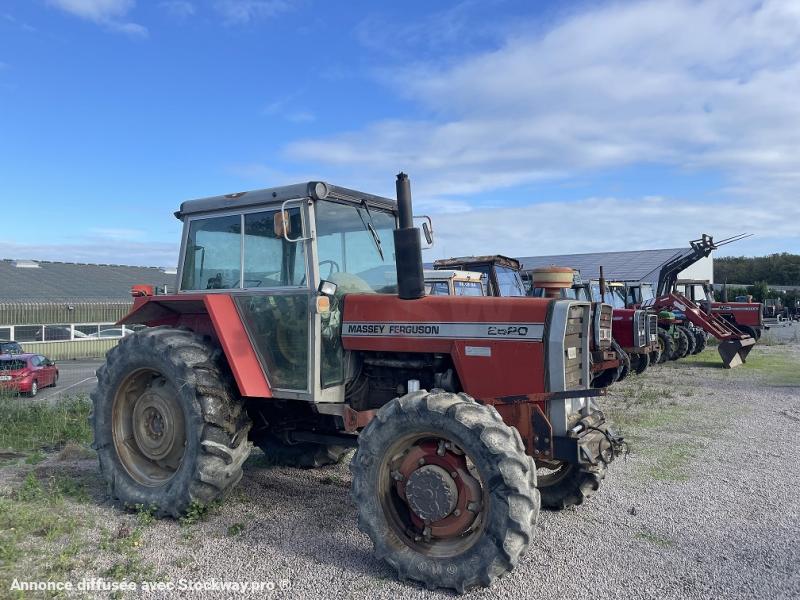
[{"x": 407, "y": 246}]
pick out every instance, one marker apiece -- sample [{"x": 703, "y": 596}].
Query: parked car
[
  {"x": 26, "y": 373},
  {"x": 10, "y": 347}
]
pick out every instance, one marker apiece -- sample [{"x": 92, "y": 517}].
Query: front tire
[
  {"x": 681, "y": 344},
  {"x": 691, "y": 339},
  {"x": 34, "y": 389},
  {"x": 666, "y": 346},
  {"x": 444, "y": 490},
  {"x": 640, "y": 362},
  {"x": 564, "y": 484},
  {"x": 701, "y": 341},
  {"x": 168, "y": 429}
]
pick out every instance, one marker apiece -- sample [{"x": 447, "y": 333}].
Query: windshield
[
  {"x": 356, "y": 247},
  {"x": 614, "y": 295},
  {"x": 468, "y": 288},
  {"x": 647, "y": 292},
  {"x": 509, "y": 282}
]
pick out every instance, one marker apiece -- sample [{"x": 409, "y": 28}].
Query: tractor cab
[
  {"x": 269, "y": 251},
  {"x": 453, "y": 282},
  {"x": 502, "y": 273},
  {"x": 637, "y": 292}
]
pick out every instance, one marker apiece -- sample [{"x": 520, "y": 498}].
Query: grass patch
[
  {"x": 671, "y": 462},
  {"x": 39, "y": 426},
  {"x": 198, "y": 512},
  {"x": 776, "y": 366},
  {"x": 32, "y": 519},
  {"x": 655, "y": 539}
]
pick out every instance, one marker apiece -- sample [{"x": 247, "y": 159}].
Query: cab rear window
[{"x": 11, "y": 365}]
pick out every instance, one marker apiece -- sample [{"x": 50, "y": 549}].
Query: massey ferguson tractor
[
  {"x": 734, "y": 345},
  {"x": 300, "y": 325},
  {"x": 503, "y": 277},
  {"x": 635, "y": 332}
]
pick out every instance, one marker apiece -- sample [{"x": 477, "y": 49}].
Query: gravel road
[{"x": 705, "y": 505}]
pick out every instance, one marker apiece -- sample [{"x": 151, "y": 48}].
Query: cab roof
[
  {"x": 316, "y": 190},
  {"x": 443, "y": 275},
  {"x": 463, "y": 261}
]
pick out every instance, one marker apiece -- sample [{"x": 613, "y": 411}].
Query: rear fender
[{"x": 208, "y": 314}]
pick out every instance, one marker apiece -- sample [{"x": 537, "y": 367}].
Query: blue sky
[{"x": 527, "y": 128}]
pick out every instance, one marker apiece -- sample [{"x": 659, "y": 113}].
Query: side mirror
[
  {"x": 327, "y": 288},
  {"x": 282, "y": 224},
  {"x": 427, "y": 228}
]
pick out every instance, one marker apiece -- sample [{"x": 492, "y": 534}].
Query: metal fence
[{"x": 64, "y": 330}]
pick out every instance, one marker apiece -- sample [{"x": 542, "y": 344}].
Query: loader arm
[{"x": 733, "y": 345}]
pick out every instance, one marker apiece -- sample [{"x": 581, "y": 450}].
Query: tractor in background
[
  {"x": 454, "y": 283},
  {"x": 503, "y": 279},
  {"x": 635, "y": 332},
  {"x": 747, "y": 317},
  {"x": 734, "y": 345},
  {"x": 301, "y": 325}
]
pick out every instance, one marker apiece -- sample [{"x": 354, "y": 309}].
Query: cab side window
[{"x": 213, "y": 254}]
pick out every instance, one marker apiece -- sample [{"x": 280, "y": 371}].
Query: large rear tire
[
  {"x": 444, "y": 490},
  {"x": 563, "y": 484},
  {"x": 168, "y": 429},
  {"x": 304, "y": 455},
  {"x": 666, "y": 346}
]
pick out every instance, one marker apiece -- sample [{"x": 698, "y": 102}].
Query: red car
[{"x": 26, "y": 373}]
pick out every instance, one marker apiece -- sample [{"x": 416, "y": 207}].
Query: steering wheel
[{"x": 332, "y": 264}]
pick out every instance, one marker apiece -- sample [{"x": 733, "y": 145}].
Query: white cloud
[
  {"x": 110, "y": 14},
  {"x": 180, "y": 9},
  {"x": 710, "y": 86},
  {"x": 598, "y": 224},
  {"x": 240, "y": 12}
]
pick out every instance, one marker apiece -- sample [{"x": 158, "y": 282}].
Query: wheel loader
[{"x": 301, "y": 325}]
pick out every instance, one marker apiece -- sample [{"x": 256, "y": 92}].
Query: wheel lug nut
[
  {"x": 457, "y": 512},
  {"x": 397, "y": 476},
  {"x": 454, "y": 474},
  {"x": 421, "y": 462}
]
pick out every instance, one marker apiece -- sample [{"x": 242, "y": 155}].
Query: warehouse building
[
  {"x": 69, "y": 310},
  {"x": 634, "y": 265}
]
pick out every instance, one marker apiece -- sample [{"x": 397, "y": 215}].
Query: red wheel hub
[{"x": 433, "y": 479}]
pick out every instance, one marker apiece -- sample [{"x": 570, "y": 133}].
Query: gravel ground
[{"x": 705, "y": 505}]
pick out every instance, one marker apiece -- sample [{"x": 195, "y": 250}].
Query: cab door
[{"x": 276, "y": 299}]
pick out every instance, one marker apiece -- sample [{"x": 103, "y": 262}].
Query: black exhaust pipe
[{"x": 407, "y": 246}]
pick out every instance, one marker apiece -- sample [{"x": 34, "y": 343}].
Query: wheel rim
[
  {"x": 34, "y": 388},
  {"x": 148, "y": 427},
  {"x": 432, "y": 495},
  {"x": 551, "y": 472}
]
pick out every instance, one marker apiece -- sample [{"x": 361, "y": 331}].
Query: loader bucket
[{"x": 734, "y": 352}]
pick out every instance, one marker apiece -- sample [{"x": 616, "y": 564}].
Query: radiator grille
[{"x": 574, "y": 348}]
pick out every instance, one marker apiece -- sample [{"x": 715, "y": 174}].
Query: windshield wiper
[{"x": 371, "y": 228}]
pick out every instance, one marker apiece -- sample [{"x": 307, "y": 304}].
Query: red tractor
[
  {"x": 635, "y": 332},
  {"x": 503, "y": 279},
  {"x": 747, "y": 317},
  {"x": 300, "y": 325},
  {"x": 734, "y": 345}
]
